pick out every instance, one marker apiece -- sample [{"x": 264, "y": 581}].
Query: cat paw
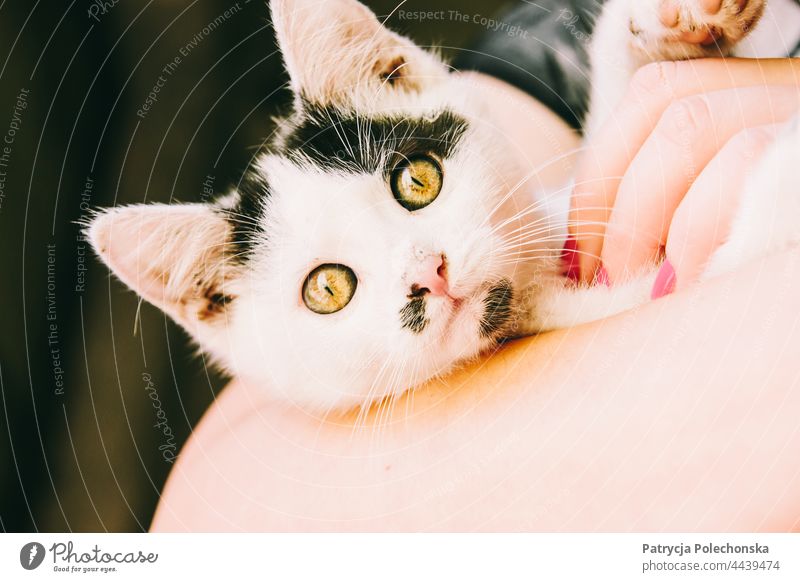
[{"x": 682, "y": 29}]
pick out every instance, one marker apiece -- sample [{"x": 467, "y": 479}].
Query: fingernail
[
  {"x": 665, "y": 281},
  {"x": 602, "y": 277},
  {"x": 569, "y": 258}
]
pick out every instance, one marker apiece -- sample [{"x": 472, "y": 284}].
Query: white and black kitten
[{"x": 385, "y": 236}]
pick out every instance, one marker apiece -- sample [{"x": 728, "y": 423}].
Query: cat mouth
[{"x": 456, "y": 305}]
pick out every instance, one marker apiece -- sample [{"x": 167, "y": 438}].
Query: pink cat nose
[{"x": 429, "y": 275}]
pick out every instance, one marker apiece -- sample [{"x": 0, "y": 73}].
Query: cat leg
[
  {"x": 768, "y": 219},
  {"x": 632, "y": 33},
  {"x": 559, "y": 303}
]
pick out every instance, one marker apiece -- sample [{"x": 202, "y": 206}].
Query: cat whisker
[
  {"x": 534, "y": 229},
  {"x": 368, "y": 401},
  {"x": 539, "y": 203},
  {"x": 525, "y": 247},
  {"x": 535, "y": 207},
  {"x": 516, "y": 260},
  {"x": 383, "y": 405},
  {"x": 539, "y": 240},
  {"x": 241, "y": 218},
  {"x": 530, "y": 175}
]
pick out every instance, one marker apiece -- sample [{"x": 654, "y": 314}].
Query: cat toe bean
[
  {"x": 669, "y": 13},
  {"x": 711, "y": 6}
]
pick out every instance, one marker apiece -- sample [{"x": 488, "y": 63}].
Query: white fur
[
  {"x": 766, "y": 221},
  {"x": 360, "y": 354}
]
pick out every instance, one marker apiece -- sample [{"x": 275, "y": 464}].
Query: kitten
[{"x": 384, "y": 237}]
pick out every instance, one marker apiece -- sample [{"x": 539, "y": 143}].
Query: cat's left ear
[{"x": 337, "y": 53}]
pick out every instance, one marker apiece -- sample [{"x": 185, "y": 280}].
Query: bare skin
[
  {"x": 679, "y": 416},
  {"x": 657, "y": 180},
  {"x": 685, "y": 421}
]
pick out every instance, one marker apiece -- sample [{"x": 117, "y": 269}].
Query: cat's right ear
[
  {"x": 337, "y": 53},
  {"x": 176, "y": 256}
]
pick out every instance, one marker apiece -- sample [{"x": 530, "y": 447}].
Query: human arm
[{"x": 685, "y": 420}]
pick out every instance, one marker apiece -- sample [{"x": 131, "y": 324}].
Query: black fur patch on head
[
  {"x": 345, "y": 141},
  {"x": 337, "y": 140},
  {"x": 496, "y": 309},
  {"x": 245, "y": 216},
  {"x": 412, "y": 316}
]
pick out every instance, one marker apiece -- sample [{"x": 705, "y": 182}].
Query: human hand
[{"x": 665, "y": 172}]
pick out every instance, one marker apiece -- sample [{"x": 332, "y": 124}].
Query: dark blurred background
[{"x": 98, "y": 393}]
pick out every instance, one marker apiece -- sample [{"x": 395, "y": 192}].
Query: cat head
[{"x": 367, "y": 248}]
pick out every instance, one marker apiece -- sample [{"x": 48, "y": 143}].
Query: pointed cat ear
[
  {"x": 175, "y": 256},
  {"x": 338, "y": 53}
]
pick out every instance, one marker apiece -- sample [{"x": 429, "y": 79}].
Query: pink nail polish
[
  {"x": 602, "y": 277},
  {"x": 569, "y": 259},
  {"x": 665, "y": 281}
]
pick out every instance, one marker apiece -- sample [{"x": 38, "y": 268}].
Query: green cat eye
[
  {"x": 329, "y": 288},
  {"x": 416, "y": 182}
]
